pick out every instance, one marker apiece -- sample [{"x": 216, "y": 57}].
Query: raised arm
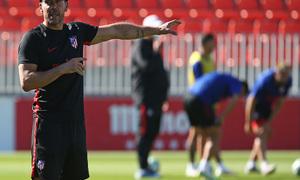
[
  {"x": 125, "y": 30},
  {"x": 31, "y": 79}
]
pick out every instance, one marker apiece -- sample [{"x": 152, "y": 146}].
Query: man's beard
[{"x": 53, "y": 22}]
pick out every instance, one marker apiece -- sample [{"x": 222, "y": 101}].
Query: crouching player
[
  {"x": 199, "y": 105},
  {"x": 270, "y": 88}
]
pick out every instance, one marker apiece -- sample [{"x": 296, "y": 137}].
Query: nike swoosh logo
[{"x": 50, "y": 50}]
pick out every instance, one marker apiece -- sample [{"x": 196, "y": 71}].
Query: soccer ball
[
  {"x": 296, "y": 167},
  {"x": 153, "y": 164}
]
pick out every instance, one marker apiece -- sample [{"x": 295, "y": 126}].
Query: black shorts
[
  {"x": 199, "y": 113},
  {"x": 59, "y": 150},
  {"x": 262, "y": 113}
]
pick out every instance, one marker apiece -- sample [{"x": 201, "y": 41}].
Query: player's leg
[
  {"x": 221, "y": 168},
  {"x": 210, "y": 138},
  {"x": 209, "y": 146},
  {"x": 255, "y": 151},
  {"x": 76, "y": 163},
  {"x": 260, "y": 142},
  {"x": 200, "y": 145},
  {"x": 251, "y": 164},
  {"x": 191, "y": 107},
  {"x": 191, "y": 144},
  {"x": 218, "y": 140},
  {"x": 49, "y": 149},
  {"x": 262, "y": 132},
  {"x": 208, "y": 132},
  {"x": 264, "y": 137},
  {"x": 36, "y": 178},
  {"x": 149, "y": 129},
  {"x": 217, "y": 145}
]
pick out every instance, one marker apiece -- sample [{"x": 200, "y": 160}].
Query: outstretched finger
[
  {"x": 170, "y": 32},
  {"x": 80, "y": 59},
  {"x": 173, "y": 32},
  {"x": 174, "y": 23}
]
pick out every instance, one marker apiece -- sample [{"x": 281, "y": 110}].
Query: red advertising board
[{"x": 112, "y": 123}]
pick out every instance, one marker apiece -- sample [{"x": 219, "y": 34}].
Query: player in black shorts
[
  {"x": 264, "y": 102},
  {"x": 51, "y": 63},
  {"x": 207, "y": 90}
]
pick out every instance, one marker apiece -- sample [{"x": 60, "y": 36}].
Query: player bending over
[
  {"x": 270, "y": 89},
  {"x": 201, "y": 62},
  {"x": 199, "y": 105}
]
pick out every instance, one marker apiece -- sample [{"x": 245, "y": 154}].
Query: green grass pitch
[{"x": 120, "y": 165}]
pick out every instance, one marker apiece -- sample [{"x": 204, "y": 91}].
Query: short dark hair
[
  {"x": 206, "y": 38},
  {"x": 246, "y": 87},
  {"x": 43, "y": 0}
]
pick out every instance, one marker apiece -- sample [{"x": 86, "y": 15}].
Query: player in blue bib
[
  {"x": 199, "y": 105},
  {"x": 270, "y": 89}
]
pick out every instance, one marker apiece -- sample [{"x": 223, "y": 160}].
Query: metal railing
[{"x": 108, "y": 65}]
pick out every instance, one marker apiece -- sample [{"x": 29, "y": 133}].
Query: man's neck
[
  {"x": 54, "y": 27},
  {"x": 206, "y": 56}
]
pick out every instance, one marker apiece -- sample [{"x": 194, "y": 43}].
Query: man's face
[
  {"x": 209, "y": 46},
  {"x": 53, "y": 11},
  {"x": 282, "y": 77}
]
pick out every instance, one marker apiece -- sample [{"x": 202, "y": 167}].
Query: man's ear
[
  {"x": 67, "y": 6},
  {"x": 40, "y": 7}
]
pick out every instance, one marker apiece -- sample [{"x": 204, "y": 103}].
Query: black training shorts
[
  {"x": 59, "y": 150},
  {"x": 199, "y": 113}
]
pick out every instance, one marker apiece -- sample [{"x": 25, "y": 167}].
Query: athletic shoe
[
  {"x": 269, "y": 169},
  {"x": 206, "y": 172},
  {"x": 223, "y": 171},
  {"x": 191, "y": 171},
  {"x": 250, "y": 169},
  {"x": 140, "y": 173}
]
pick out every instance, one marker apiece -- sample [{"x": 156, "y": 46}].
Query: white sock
[
  {"x": 251, "y": 164},
  {"x": 142, "y": 170},
  {"x": 264, "y": 164},
  {"x": 202, "y": 164},
  {"x": 191, "y": 164}
]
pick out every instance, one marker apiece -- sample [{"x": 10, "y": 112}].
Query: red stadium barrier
[{"x": 111, "y": 124}]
